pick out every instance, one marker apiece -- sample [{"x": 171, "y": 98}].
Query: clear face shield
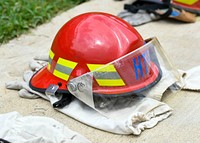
[{"x": 113, "y": 89}]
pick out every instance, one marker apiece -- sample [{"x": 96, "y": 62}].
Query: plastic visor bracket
[
  {"x": 81, "y": 88},
  {"x": 115, "y": 89}
]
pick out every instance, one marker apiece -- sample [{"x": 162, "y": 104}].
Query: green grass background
[{"x": 18, "y": 16}]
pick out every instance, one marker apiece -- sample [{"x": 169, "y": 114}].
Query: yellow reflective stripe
[
  {"x": 60, "y": 75},
  {"x": 48, "y": 66},
  {"x": 188, "y": 2},
  {"x": 108, "y": 68},
  {"x": 107, "y": 75},
  {"x": 51, "y": 54},
  {"x": 64, "y": 68},
  {"x": 111, "y": 82},
  {"x": 66, "y": 63}
]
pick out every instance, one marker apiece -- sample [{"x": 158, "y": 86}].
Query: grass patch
[{"x": 18, "y": 16}]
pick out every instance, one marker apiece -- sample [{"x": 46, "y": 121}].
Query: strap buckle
[{"x": 51, "y": 90}]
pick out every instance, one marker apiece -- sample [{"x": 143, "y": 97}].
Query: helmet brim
[
  {"x": 43, "y": 78},
  {"x": 155, "y": 77}
]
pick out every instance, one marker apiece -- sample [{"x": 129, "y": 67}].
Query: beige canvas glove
[
  {"x": 36, "y": 129},
  {"x": 141, "y": 12},
  {"x": 192, "y": 79},
  {"x": 139, "y": 18},
  {"x": 166, "y": 81},
  {"x": 24, "y": 90},
  {"x": 145, "y": 113}
]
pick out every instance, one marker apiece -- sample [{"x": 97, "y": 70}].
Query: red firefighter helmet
[{"x": 90, "y": 40}]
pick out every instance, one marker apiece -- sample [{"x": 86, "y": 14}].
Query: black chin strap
[
  {"x": 64, "y": 101},
  {"x": 4, "y": 141}
]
